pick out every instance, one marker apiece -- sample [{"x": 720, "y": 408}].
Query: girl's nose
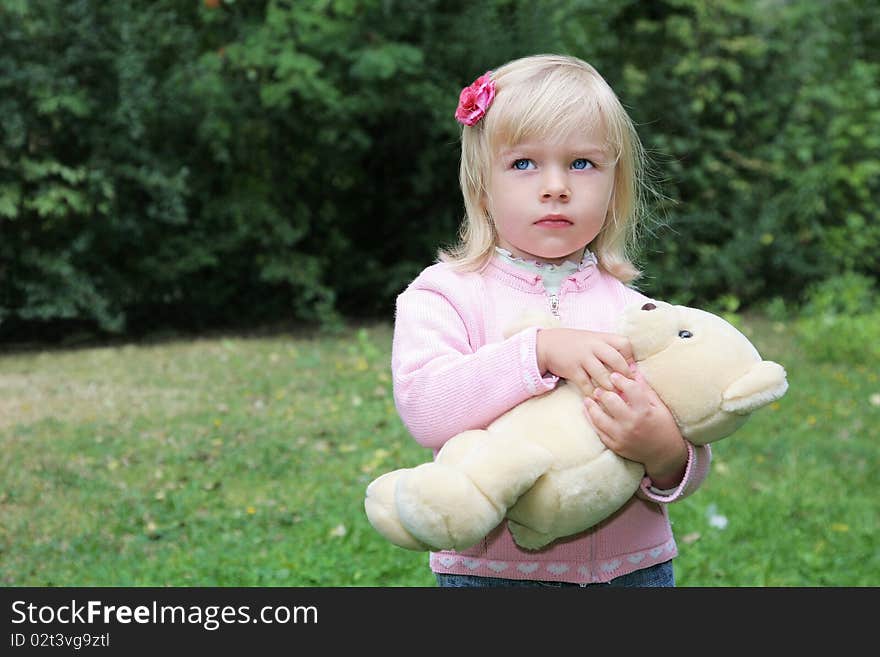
[{"x": 555, "y": 187}]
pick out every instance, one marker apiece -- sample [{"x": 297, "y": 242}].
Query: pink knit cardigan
[{"x": 454, "y": 370}]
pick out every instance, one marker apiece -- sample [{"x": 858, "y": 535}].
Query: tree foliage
[{"x": 221, "y": 163}]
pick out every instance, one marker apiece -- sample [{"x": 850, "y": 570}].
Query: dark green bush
[
  {"x": 846, "y": 294},
  {"x": 841, "y": 320},
  {"x": 168, "y": 164}
]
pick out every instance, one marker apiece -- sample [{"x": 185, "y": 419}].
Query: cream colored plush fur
[{"x": 541, "y": 465}]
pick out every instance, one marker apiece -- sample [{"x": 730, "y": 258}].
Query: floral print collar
[{"x": 588, "y": 260}]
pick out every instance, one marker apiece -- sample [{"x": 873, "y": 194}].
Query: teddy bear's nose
[{"x": 649, "y": 306}]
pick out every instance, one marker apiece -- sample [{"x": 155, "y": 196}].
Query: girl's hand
[
  {"x": 585, "y": 358},
  {"x": 633, "y": 422}
]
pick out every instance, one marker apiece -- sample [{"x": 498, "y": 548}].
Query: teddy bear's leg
[
  {"x": 382, "y": 512},
  {"x": 458, "y": 499},
  {"x": 443, "y": 508},
  {"x": 502, "y": 466}
]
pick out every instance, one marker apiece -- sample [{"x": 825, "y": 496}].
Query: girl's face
[{"x": 548, "y": 200}]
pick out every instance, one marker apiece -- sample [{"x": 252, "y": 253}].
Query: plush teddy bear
[{"x": 541, "y": 465}]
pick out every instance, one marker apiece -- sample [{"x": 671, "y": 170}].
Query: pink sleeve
[
  {"x": 442, "y": 385},
  {"x": 699, "y": 459}
]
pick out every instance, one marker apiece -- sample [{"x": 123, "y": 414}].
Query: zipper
[
  {"x": 554, "y": 305},
  {"x": 591, "y": 550}
]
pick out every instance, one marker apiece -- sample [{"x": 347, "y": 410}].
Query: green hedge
[{"x": 220, "y": 163}]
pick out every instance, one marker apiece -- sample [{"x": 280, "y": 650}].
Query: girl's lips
[{"x": 553, "y": 221}]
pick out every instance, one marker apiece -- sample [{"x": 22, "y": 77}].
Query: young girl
[{"x": 551, "y": 171}]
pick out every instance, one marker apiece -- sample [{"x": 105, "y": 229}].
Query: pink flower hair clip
[{"x": 474, "y": 100}]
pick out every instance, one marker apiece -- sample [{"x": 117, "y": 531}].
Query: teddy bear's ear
[{"x": 765, "y": 382}]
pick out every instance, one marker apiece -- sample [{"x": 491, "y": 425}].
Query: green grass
[{"x": 243, "y": 462}]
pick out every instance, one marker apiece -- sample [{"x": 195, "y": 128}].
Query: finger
[
  {"x": 597, "y": 371},
  {"x": 604, "y": 360},
  {"x": 584, "y": 383},
  {"x": 612, "y": 403},
  {"x": 622, "y": 345},
  {"x": 613, "y": 359},
  {"x": 600, "y": 421},
  {"x": 638, "y": 391},
  {"x": 623, "y": 383},
  {"x": 632, "y": 391}
]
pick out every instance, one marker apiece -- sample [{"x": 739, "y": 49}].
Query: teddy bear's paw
[
  {"x": 382, "y": 512},
  {"x": 443, "y": 508},
  {"x": 527, "y": 538}
]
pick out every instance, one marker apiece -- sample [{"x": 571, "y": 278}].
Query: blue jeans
[{"x": 658, "y": 575}]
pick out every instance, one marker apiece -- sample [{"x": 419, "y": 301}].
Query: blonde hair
[{"x": 546, "y": 97}]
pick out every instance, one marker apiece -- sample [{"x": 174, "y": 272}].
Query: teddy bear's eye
[{"x": 685, "y": 334}]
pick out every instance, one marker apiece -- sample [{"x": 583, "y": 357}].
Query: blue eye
[
  {"x": 581, "y": 163},
  {"x": 522, "y": 164}
]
